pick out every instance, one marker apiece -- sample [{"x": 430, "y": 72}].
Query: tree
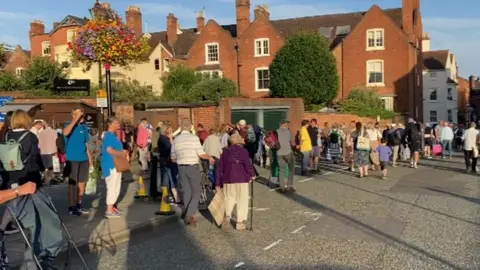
[
  {"x": 131, "y": 91},
  {"x": 42, "y": 72},
  {"x": 214, "y": 89},
  {"x": 4, "y": 48},
  {"x": 9, "y": 82},
  {"x": 365, "y": 102},
  {"x": 305, "y": 67}
]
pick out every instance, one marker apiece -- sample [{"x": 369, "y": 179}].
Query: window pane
[
  {"x": 265, "y": 47},
  {"x": 212, "y": 53},
  {"x": 378, "y": 77}
]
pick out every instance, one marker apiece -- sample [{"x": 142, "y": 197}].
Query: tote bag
[
  {"x": 362, "y": 142},
  {"x": 217, "y": 207},
  {"x": 121, "y": 164}
]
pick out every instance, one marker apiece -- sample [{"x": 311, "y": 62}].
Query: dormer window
[
  {"x": 375, "y": 39},
  {"x": 212, "y": 53},
  {"x": 46, "y": 48}
]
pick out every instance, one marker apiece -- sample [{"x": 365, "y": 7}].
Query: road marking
[
  {"x": 315, "y": 219},
  {"x": 259, "y": 209},
  {"x": 273, "y": 244},
  {"x": 239, "y": 264},
  {"x": 305, "y": 180},
  {"x": 327, "y": 173},
  {"x": 307, "y": 213},
  {"x": 316, "y": 214},
  {"x": 297, "y": 230}
]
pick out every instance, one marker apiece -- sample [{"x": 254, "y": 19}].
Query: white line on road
[
  {"x": 305, "y": 180},
  {"x": 327, "y": 173},
  {"x": 299, "y": 229},
  {"x": 239, "y": 264},
  {"x": 273, "y": 244},
  {"x": 259, "y": 209},
  {"x": 315, "y": 219},
  {"x": 274, "y": 189}
]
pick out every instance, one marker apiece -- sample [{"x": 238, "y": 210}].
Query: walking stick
[{"x": 251, "y": 205}]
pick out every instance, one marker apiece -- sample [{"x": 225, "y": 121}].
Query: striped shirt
[{"x": 186, "y": 149}]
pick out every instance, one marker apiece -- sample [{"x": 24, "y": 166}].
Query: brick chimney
[
  {"x": 55, "y": 24},
  {"x": 425, "y": 42},
  {"x": 243, "y": 15},
  {"x": 133, "y": 17},
  {"x": 200, "y": 21},
  {"x": 410, "y": 9},
  {"x": 37, "y": 28},
  {"x": 172, "y": 27},
  {"x": 472, "y": 82},
  {"x": 261, "y": 13}
]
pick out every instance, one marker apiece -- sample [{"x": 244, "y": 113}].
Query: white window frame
[
  {"x": 257, "y": 78},
  {"x": 19, "y": 71},
  {"x": 211, "y": 72},
  {"x": 388, "y": 103},
  {"x": 45, "y": 46},
  {"x": 449, "y": 93},
  {"x": 436, "y": 116},
  {"x": 368, "y": 73},
  {"x": 207, "y": 57},
  {"x": 259, "y": 44},
  {"x": 166, "y": 63},
  {"x": 430, "y": 94},
  {"x": 71, "y": 35},
  {"x": 450, "y": 115},
  {"x": 376, "y": 39}
]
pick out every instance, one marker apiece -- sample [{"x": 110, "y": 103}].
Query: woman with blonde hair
[
  {"x": 375, "y": 136},
  {"x": 362, "y": 151},
  {"x": 233, "y": 174}
]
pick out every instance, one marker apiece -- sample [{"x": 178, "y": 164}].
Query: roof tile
[{"x": 435, "y": 60}]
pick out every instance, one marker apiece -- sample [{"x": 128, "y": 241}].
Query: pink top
[
  {"x": 47, "y": 141},
  {"x": 142, "y": 136}
]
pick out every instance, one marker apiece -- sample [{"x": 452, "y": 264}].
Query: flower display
[{"x": 109, "y": 42}]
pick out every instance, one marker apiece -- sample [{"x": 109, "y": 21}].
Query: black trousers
[
  {"x": 470, "y": 161},
  {"x": 154, "y": 162}
]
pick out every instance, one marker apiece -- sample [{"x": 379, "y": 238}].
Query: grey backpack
[{"x": 11, "y": 154}]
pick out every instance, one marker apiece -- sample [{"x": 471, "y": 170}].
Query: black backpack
[{"x": 60, "y": 142}]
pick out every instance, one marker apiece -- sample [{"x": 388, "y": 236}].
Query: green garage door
[
  {"x": 251, "y": 116},
  {"x": 272, "y": 118},
  {"x": 267, "y": 118}
]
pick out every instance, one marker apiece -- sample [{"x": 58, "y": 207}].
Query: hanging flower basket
[{"x": 109, "y": 42}]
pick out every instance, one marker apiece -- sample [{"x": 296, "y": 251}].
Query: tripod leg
[{"x": 251, "y": 205}]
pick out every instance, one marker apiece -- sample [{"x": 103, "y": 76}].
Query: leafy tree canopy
[
  {"x": 183, "y": 84},
  {"x": 41, "y": 73},
  {"x": 10, "y": 82},
  {"x": 131, "y": 91},
  {"x": 365, "y": 102},
  {"x": 305, "y": 67}
]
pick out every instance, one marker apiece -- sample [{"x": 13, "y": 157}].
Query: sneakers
[
  {"x": 241, "y": 226},
  {"x": 73, "y": 211},
  {"x": 11, "y": 230},
  {"x": 82, "y": 210},
  {"x": 112, "y": 215}
]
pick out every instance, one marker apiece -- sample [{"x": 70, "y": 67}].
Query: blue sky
[{"x": 453, "y": 25}]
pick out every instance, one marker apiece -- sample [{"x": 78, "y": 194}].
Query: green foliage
[
  {"x": 305, "y": 67},
  {"x": 10, "y": 82},
  {"x": 183, "y": 84},
  {"x": 366, "y": 103},
  {"x": 41, "y": 73},
  {"x": 131, "y": 91},
  {"x": 4, "y": 48}
]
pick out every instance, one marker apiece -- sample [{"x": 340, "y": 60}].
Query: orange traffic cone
[
  {"x": 165, "y": 208},
  {"x": 141, "y": 193}
]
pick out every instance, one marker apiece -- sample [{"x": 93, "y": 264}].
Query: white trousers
[
  {"x": 114, "y": 183},
  {"x": 236, "y": 194},
  {"x": 143, "y": 157}
]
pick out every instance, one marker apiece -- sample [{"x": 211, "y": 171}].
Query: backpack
[
  {"x": 60, "y": 142},
  {"x": 394, "y": 138},
  {"x": 11, "y": 154},
  {"x": 251, "y": 137},
  {"x": 334, "y": 136},
  {"x": 271, "y": 140}
]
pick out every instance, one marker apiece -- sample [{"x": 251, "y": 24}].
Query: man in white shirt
[
  {"x": 447, "y": 138},
  {"x": 470, "y": 137}
]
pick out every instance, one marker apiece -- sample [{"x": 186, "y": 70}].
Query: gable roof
[
  {"x": 69, "y": 20},
  {"x": 286, "y": 27},
  {"x": 435, "y": 60}
]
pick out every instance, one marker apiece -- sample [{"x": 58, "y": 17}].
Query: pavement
[{"x": 425, "y": 218}]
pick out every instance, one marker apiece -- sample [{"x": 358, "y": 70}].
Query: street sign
[
  {"x": 102, "y": 101},
  {"x": 70, "y": 85}
]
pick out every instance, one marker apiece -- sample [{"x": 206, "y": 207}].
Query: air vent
[
  {"x": 343, "y": 30},
  {"x": 325, "y": 31}
]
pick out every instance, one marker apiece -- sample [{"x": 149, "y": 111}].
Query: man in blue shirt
[{"x": 78, "y": 160}]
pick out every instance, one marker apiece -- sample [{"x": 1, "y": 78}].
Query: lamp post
[{"x": 238, "y": 67}]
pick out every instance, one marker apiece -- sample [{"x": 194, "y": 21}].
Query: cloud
[
  {"x": 11, "y": 40},
  {"x": 9, "y": 15}
]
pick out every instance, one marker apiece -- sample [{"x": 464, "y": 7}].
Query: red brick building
[
  {"x": 15, "y": 61},
  {"x": 376, "y": 48}
]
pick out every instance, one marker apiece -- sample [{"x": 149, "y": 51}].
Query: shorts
[
  {"x": 383, "y": 165},
  {"x": 78, "y": 172},
  {"x": 316, "y": 151},
  {"x": 47, "y": 161},
  {"x": 415, "y": 146},
  {"x": 429, "y": 142}
]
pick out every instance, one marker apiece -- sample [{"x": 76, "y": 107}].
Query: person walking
[
  {"x": 394, "y": 140},
  {"x": 48, "y": 149},
  {"x": 143, "y": 136},
  {"x": 168, "y": 169},
  {"x": 470, "y": 148},
  {"x": 413, "y": 137},
  {"x": 314, "y": 137},
  {"x": 78, "y": 156},
  {"x": 428, "y": 140},
  {"x": 375, "y": 136},
  {"x": 186, "y": 150},
  {"x": 112, "y": 147},
  {"x": 234, "y": 173},
  {"x": 384, "y": 153},
  {"x": 447, "y": 138},
  {"x": 362, "y": 155},
  {"x": 305, "y": 147},
  {"x": 285, "y": 157}
]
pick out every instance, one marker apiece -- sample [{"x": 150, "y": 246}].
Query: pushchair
[{"x": 207, "y": 184}]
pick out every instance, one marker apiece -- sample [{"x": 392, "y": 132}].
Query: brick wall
[
  {"x": 207, "y": 116},
  {"x": 341, "y": 119}
]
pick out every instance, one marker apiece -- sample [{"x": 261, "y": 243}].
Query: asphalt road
[{"x": 417, "y": 219}]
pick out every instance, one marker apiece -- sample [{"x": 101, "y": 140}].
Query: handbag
[
  {"x": 362, "y": 142},
  {"x": 121, "y": 164}
]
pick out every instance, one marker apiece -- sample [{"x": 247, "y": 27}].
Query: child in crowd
[{"x": 384, "y": 153}]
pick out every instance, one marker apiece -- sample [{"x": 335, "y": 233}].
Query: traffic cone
[
  {"x": 141, "y": 194},
  {"x": 165, "y": 208}
]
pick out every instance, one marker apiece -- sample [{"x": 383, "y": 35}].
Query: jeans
[
  {"x": 169, "y": 175},
  {"x": 306, "y": 160},
  {"x": 283, "y": 162},
  {"x": 396, "y": 148},
  {"x": 470, "y": 160},
  {"x": 447, "y": 144}
]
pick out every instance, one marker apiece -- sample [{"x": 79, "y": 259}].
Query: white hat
[{"x": 242, "y": 122}]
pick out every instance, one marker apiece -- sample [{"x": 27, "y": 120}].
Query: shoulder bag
[{"x": 363, "y": 143}]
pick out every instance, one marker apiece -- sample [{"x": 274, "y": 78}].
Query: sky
[{"x": 453, "y": 25}]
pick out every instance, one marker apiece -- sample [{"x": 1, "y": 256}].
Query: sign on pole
[{"x": 102, "y": 101}]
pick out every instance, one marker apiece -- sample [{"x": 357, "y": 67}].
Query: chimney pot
[
  {"x": 134, "y": 20},
  {"x": 37, "y": 28},
  {"x": 261, "y": 12},
  {"x": 200, "y": 21}
]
